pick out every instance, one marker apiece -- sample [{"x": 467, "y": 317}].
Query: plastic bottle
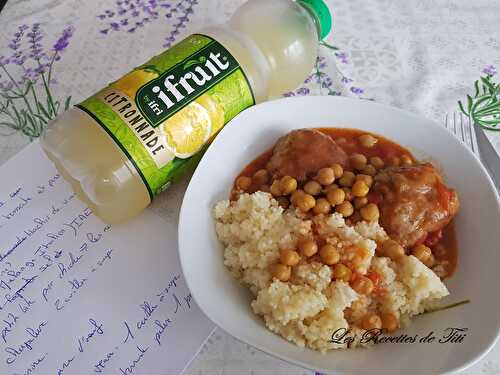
[{"x": 127, "y": 143}]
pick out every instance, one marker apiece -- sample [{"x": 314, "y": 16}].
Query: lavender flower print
[
  {"x": 342, "y": 57},
  {"x": 323, "y": 81},
  {"x": 357, "y": 90},
  {"x": 490, "y": 70},
  {"x": 130, "y": 15},
  {"x": 63, "y": 41},
  {"x": 26, "y": 100},
  {"x": 186, "y": 8}
]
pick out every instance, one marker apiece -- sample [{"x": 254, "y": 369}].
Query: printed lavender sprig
[
  {"x": 324, "y": 81},
  {"x": 130, "y": 15},
  {"x": 184, "y": 11},
  {"x": 26, "y": 101},
  {"x": 318, "y": 77},
  {"x": 483, "y": 107}
]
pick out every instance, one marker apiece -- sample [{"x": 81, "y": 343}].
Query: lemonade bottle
[{"x": 127, "y": 143}]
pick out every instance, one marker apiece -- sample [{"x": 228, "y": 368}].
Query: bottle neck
[{"x": 313, "y": 16}]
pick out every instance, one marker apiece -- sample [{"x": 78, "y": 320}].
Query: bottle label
[{"x": 164, "y": 113}]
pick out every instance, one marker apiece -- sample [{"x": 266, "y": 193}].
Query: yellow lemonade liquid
[{"x": 275, "y": 44}]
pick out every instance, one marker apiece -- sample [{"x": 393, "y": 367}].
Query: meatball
[
  {"x": 303, "y": 152},
  {"x": 415, "y": 202}
]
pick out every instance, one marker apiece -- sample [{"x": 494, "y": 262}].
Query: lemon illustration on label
[
  {"x": 187, "y": 131},
  {"x": 130, "y": 84},
  {"x": 215, "y": 111}
]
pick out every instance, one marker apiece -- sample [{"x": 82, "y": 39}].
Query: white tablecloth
[{"x": 420, "y": 55}]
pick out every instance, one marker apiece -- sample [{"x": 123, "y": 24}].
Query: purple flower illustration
[
  {"x": 490, "y": 70},
  {"x": 357, "y": 90},
  {"x": 63, "y": 41},
  {"x": 26, "y": 101},
  {"x": 129, "y": 15},
  {"x": 303, "y": 91},
  {"x": 185, "y": 9},
  {"x": 342, "y": 56},
  {"x": 324, "y": 81},
  {"x": 345, "y": 80}
]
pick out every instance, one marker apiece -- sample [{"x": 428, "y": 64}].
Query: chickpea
[
  {"x": 322, "y": 206},
  {"x": 430, "y": 262},
  {"x": 367, "y": 140},
  {"x": 357, "y": 305},
  {"x": 348, "y": 194},
  {"x": 392, "y": 249},
  {"x": 360, "y": 189},
  {"x": 305, "y": 202},
  {"x": 308, "y": 248},
  {"x": 370, "y": 212},
  {"x": 243, "y": 183},
  {"x": 325, "y": 176},
  {"x": 329, "y": 255},
  {"x": 347, "y": 179},
  {"x": 355, "y": 263},
  {"x": 389, "y": 322},
  {"x": 345, "y": 209},
  {"x": 406, "y": 160},
  {"x": 360, "y": 202},
  {"x": 358, "y": 161},
  {"x": 275, "y": 188},
  {"x": 341, "y": 140},
  {"x": 330, "y": 187},
  {"x": 312, "y": 187},
  {"x": 281, "y": 272},
  {"x": 363, "y": 285},
  {"x": 295, "y": 195},
  {"x": 371, "y": 321},
  {"x": 261, "y": 177},
  {"x": 422, "y": 253},
  {"x": 377, "y": 162},
  {"x": 338, "y": 171},
  {"x": 289, "y": 257},
  {"x": 355, "y": 256},
  {"x": 288, "y": 185},
  {"x": 365, "y": 178},
  {"x": 370, "y": 170},
  {"x": 394, "y": 161},
  {"x": 342, "y": 272},
  {"x": 335, "y": 196},
  {"x": 283, "y": 202}
]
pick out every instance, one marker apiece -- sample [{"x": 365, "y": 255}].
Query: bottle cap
[{"x": 320, "y": 10}]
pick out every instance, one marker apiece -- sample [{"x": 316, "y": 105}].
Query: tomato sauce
[{"x": 444, "y": 248}]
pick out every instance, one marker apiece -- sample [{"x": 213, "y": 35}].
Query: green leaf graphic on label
[
  {"x": 150, "y": 69},
  {"x": 190, "y": 63}
]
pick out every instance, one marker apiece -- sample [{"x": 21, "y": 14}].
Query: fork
[
  {"x": 463, "y": 130},
  {"x": 474, "y": 138}
]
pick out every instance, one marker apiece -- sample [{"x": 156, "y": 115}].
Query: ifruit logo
[{"x": 164, "y": 96}]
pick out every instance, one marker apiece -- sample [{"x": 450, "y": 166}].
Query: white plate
[{"x": 477, "y": 278}]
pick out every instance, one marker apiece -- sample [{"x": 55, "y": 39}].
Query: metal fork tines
[
  {"x": 475, "y": 139},
  {"x": 463, "y": 129}
]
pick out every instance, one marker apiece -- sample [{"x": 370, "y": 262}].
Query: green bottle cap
[{"x": 322, "y": 14}]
